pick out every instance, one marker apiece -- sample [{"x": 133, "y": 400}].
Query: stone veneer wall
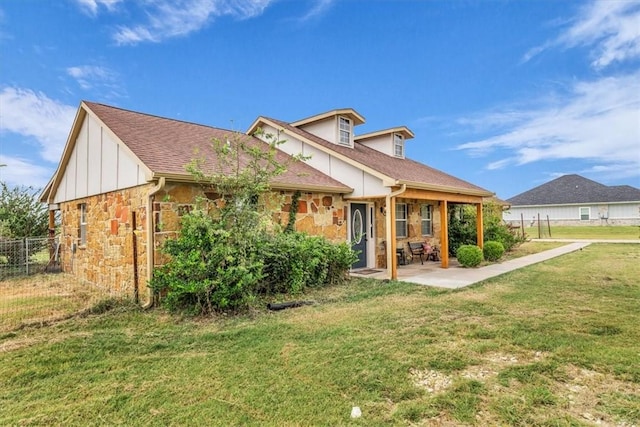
[
  {"x": 107, "y": 257},
  {"x": 319, "y": 214}
]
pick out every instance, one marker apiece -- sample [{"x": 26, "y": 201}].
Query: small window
[
  {"x": 401, "y": 220},
  {"x": 82, "y": 230},
  {"x": 585, "y": 214},
  {"x": 398, "y": 145},
  {"x": 345, "y": 131},
  {"x": 425, "y": 215}
]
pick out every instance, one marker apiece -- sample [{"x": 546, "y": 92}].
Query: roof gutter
[{"x": 151, "y": 237}]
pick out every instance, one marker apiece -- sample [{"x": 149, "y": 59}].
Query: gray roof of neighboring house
[{"x": 571, "y": 189}]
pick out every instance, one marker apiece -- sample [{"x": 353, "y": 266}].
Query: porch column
[
  {"x": 479, "y": 225},
  {"x": 444, "y": 234},
  {"x": 392, "y": 245}
]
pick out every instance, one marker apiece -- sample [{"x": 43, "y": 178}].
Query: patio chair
[{"x": 415, "y": 248}]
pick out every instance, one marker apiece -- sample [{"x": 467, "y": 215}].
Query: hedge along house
[
  {"x": 121, "y": 187},
  {"x": 394, "y": 199}
]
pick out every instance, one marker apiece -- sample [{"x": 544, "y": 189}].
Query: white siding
[
  {"x": 95, "y": 160},
  {"x": 109, "y": 162},
  {"x": 382, "y": 143},
  {"x": 97, "y": 164},
  {"x": 325, "y": 129},
  {"x": 319, "y": 159},
  {"x": 363, "y": 184}
]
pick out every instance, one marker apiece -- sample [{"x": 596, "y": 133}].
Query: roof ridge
[{"x": 126, "y": 110}]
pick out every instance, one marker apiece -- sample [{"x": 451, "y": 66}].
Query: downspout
[
  {"x": 390, "y": 236},
  {"x": 151, "y": 237}
]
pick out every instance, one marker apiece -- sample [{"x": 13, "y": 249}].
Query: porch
[{"x": 414, "y": 271}]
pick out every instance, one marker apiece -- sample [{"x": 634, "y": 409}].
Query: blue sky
[{"x": 505, "y": 94}]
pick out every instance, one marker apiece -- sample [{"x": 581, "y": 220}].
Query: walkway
[{"x": 454, "y": 278}]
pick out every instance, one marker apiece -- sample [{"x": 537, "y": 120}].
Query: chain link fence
[{"x": 34, "y": 291}]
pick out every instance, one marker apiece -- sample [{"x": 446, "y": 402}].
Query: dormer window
[
  {"x": 344, "y": 130},
  {"x": 398, "y": 145}
]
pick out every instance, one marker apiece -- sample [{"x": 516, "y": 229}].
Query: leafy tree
[
  {"x": 218, "y": 262},
  {"x": 21, "y": 213},
  {"x": 462, "y": 227}
]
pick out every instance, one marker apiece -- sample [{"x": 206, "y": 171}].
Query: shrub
[
  {"x": 295, "y": 261},
  {"x": 493, "y": 250},
  {"x": 205, "y": 273},
  {"x": 469, "y": 255}
]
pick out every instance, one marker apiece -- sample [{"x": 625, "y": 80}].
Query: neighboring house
[
  {"x": 121, "y": 187},
  {"x": 575, "y": 200}
]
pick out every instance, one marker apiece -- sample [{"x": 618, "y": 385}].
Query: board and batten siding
[
  {"x": 363, "y": 183},
  {"x": 98, "y": 164}
]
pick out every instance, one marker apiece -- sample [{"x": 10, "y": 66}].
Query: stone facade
[
  {"x": 318, "y": 214},
  {"x": 107, "y": 257}
]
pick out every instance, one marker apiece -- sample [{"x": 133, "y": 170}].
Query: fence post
[{"x": 26, "y": 255}]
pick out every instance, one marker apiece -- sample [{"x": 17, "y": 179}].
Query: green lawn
[
  {"x": 588, "y": 232},
  {"x": 555, "y": 344}
]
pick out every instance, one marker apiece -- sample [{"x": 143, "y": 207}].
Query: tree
[
  {"x": 21, "y": 213},
  {"x": 230, "y": 243}
]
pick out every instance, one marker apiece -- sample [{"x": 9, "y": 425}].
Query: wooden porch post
[
  {"x": 479, "y": 225},
  {"x": 392, "y": 245},
  {"x": 444, "y": 234}
]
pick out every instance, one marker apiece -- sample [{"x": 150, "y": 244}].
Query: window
[
  {"x": 345, "y": 131},
  {"x": 398, "y": 145},
  {"x": 82, "y": 230},
  {"x": 585, "y": 214},
  {"x": 425, "y": 215},
  {"x": 401, "y": 220}
]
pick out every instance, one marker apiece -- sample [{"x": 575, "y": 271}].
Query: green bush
[
  {"x": 295, "y": 261},
  {"x": 206, "y": 274},
  {"x": 469, "y": 255},
  {"x": 493, "y": 250}
]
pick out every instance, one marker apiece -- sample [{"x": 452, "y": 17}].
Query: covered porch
[{"x": 409, "y": 215}]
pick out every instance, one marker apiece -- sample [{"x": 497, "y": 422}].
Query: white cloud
[
  {"x": 97, "y": 77},
  {"x": 597, "y": 121},
  {"x": 610, "y": 28},
  {"x": 91, "y": 6},
  {"x": 33, "y": 114},
  {"x": 19, "y": 171},
  {"x": 167, "y": 18},
  {"x": 321, "y": 6}
]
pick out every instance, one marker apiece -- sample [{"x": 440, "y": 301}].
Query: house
[
  {"x": 121, "y": 187},
  {"x": 575, "y": 200}
]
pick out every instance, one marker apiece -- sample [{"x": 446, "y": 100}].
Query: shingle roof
[
  {"x": 569, "y": 189},
  {"x": 393, "y": 167},
  {"x": 165, "y": 146}
]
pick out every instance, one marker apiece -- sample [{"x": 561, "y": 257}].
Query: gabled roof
[
  {"x": 348, "y": 112},
  {"x": 165, "y": 146},
  {"x": 402, "y": 130},
  {"x": 390, "y": 169},
  {"x": 572, "y": 189}
]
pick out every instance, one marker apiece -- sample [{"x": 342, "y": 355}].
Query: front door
[{"x": 359, "y": 233}]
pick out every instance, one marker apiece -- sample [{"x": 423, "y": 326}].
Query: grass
[
  {"x": 589, "y": 232},
  {"x": 43, "y": 298},
  {"x": 556, "y": 343}
]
